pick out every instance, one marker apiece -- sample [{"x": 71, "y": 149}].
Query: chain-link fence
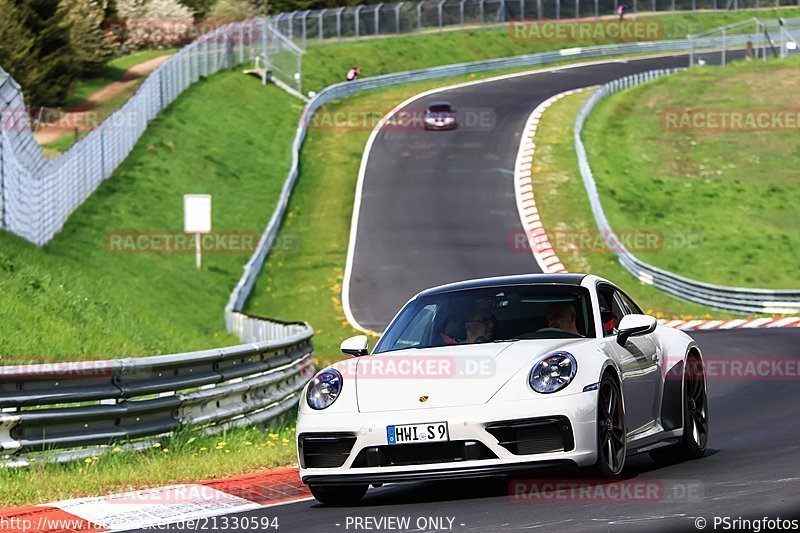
[
  {"x": 38, "y": 194},
  {"x": 355, "y": 22}
]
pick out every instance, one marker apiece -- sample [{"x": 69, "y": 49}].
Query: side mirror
[
  {"x": 355, "y": 346},
  {"x": 634, "y": 325}
]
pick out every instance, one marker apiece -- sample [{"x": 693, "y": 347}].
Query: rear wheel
[
  {"x": 612, "y": 442},
  {"x": 338, "y": 495},
  {"x": 695, "y": 417}
]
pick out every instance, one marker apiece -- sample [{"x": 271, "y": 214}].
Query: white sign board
[{"x": 197, "y": 213}]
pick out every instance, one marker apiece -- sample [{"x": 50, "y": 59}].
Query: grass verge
[
  {"x": 729, "y": 195},
  {"x": 84, "y": 302},
  {"x": 188, "y": 456}
]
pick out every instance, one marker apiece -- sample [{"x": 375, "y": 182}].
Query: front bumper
[{"x": 465, "y": 424}]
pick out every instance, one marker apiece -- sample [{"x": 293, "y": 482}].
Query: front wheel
[
  {"x": 338, "y": 495},
  {"x": 612, "y": 439}
]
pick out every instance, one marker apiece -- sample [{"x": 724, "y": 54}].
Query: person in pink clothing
[
  {"x": 353, "y": 73},
  {"x": 621, "y": 11}
]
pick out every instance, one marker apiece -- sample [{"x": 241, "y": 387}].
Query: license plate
[{"x": 433, "y": 432}]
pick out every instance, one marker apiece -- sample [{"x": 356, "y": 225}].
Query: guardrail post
[
  {"x": 8, "y": 445},
  {"x": 724, "y": 46}
]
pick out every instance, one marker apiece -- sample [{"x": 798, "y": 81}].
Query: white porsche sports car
[{"x": 500, "y": 375}]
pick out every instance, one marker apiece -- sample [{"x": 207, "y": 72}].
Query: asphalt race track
[
  {"x": 750, "y": 469},
  {"x": 439, "y": 207}
]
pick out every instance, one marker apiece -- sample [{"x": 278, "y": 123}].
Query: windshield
[
  {"x": 440, "y": 108},
  {"x": 493, "y": 314}
]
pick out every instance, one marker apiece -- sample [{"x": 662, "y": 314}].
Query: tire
[
  {"x": 338, "y": 495},
  {"x": 612, "y": 440},
  {"x": 695, "y": 417}
]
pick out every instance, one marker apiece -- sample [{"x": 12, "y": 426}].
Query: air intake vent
[
  {"x": 534, "y": 435},
  {"x": 324, "y": 450}
]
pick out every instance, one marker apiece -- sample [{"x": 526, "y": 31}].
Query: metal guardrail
[
  {"x": 64, "y": 406},
  {"x": 734, "y": 299}
]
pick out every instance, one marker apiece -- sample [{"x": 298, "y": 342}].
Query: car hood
[{"x": 445, "y": 376}]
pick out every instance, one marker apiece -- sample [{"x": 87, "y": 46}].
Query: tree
[{"x": 92, "y": 47}]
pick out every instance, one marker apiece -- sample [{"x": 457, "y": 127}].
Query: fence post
[
  {"x": 319, "y": 23},
  {"x": 461, "y": 12},
  {"x": 397, "y": 17},
  {"x": 522, "y": 10},
  {"x": 439, "y": 8},
  {"x": 357, "y": 20},
  {"x": 481, "y": 2},
  {"x": 558, "y": 9},
  {"x": 419, "y": 16},
  {"x": 339, "y": 23},
  {"x": 303, "y": 20},
  {"x": 539, "y": 9},
  {"x": 597, "y": 8},
  {"x": 577, "y": 9},
  {"x": 377, "y": 18}
]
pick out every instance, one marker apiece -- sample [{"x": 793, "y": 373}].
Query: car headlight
[
  {"x": 324, "y": 389},
  {"x": 449, "y": 119},
  {"x": 553, "y": 372}
]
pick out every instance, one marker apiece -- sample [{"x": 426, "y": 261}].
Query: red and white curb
[
  {"x": 174, "y": 504},
  {"x": 546, "y": 256},
  {"x": 540, "y": 246},
  {"x": 739, "y": 323}
]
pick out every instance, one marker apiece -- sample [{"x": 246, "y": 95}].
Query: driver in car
[
  {"x": 561, "y": 316},
  {"x": 479, "y": 327}
]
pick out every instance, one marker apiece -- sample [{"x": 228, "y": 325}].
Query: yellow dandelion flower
[{"x": 157, "y": 445}]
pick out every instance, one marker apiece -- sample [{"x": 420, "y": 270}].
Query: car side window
[
  {"x": 610, "y": 311},
  {"x": 629, "y": 304}
]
